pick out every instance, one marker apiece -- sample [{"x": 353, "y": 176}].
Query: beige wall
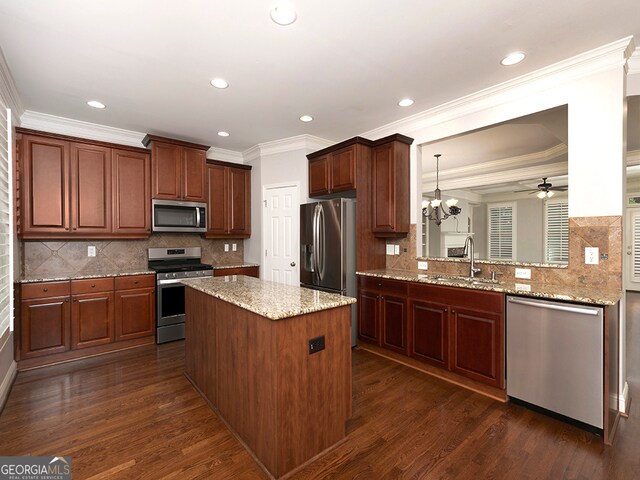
[{"x": 69, "y": 257}]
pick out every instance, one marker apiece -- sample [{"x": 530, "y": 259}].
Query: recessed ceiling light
[
  {"x": 223, "y": 134},
  {"x": 405, "y": 102},
  {"x": 219, "y": 83},
  {"x": 283, "y": 15},
  {"x": 513, "y": 58},
  {"x": 306, "y": 118},
  {"x": 95, "y": 104}
]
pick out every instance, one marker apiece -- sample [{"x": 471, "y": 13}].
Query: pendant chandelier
[{"x": 434, "y": 210}]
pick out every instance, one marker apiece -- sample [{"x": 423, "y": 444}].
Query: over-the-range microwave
[{"x": 176, "y": 216}]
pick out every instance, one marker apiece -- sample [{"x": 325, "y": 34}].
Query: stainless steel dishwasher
[{"x": 555, "y": 357}]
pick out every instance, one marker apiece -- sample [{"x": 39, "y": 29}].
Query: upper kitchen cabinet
[
  {"x": 229, "y": 200},
  {"x": 76, "y": 188},
  {"x": 178, "y": 169},
  {"x": 390, "y": 186},
  {"x": 333, "y": 172}
]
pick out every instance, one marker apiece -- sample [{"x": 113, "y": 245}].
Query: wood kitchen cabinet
[
  {"x": 91, "y": 312},
  {"x": 73, "y": 188},
  {"x": 382, "y": 316},
  {"x": 319, "y": 176},
  {"x": 333, "y": 173},
  {"x": 229, "y": 200},
  {"x": 135, "y": 306},
  {"x": 429, "y": 325},
  {"x": 248, "y": 271},
  {"x": 178, "y": 169},
  {"x": 390, "y": 187}
]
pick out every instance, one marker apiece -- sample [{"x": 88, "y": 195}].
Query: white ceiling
[{"x": 347, "y": 63}]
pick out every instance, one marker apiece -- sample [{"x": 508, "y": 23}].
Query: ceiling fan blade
[
  {"x": 562, "y": 188},
  {"x": 532, "y": 190}
]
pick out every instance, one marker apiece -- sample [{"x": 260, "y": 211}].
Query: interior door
[{"x": 280, "y": 226}]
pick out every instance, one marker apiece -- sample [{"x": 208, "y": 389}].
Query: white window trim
[
  {"x": 546, "y": 228},
  {"x": 514, "y": 229}
]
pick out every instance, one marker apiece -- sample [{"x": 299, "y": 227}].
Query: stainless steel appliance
[
  {"x": 555, "y": 357},
  {"x": 175, "y": 216},
  {"x": 328, "y": 248},
  {"x": 171, "y": 265}
]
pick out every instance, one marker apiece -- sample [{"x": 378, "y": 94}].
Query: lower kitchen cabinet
[
  {"x": 248, "y": 271},
  {"x": 61, "y": 321},
  {"x": 457, "y": 329}
]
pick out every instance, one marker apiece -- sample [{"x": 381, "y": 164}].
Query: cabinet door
[
  {"x": 239, "y": 202},
  {"x": 319, "y": 176},
  {"x": 44, "y": 327},
  {"x": 194, "y": 178},
  {"x": 429, "y": 324},
  {"x": 368, "y": 317},
  {"x": 394, "y": 323},
  {"x": 92, "y": 320},
  {"x": 478, "y": 345},
  {"x": 46, "y": 186},
  {"x": 131, "y": 193},
  {"x": 90, "y": 189},
  {"x": 166, "y": 169},
  {"x": 135, "y": 313},
  {"x": 383, "y": 187},
  {"x": 343, "y": 169},
  {"x": 217, "y": 203}
]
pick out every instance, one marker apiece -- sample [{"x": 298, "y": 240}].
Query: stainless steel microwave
[{"x": 176, "y": 216}]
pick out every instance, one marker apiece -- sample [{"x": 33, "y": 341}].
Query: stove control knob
[{"x": 173, "y": 275}]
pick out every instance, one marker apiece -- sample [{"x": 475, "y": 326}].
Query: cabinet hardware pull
[
  {"x": 75, "y": 299},
  {"x": 135, "y": 282},
  {"x": 453, "y": 311},
  {"x": 45, "y": 290},
  {"x": 66, "y": 300},
  {"x": 445, "y": 310},
  {"x": 93, "y": 285}
]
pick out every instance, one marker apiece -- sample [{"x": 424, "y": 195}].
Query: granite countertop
[
  {"x": 538, "y": 290},
  {"x": 274, "y": 301},
  {"x": 59, "y": 277},
  {"x": 235, "y": 265}
]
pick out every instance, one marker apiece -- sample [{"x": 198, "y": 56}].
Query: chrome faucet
[{"x": 469, "y": 250}]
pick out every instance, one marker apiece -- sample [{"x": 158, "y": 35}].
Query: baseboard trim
[{"x": 7, "y": 383}]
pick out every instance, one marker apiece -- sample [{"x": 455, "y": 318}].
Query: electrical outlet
[
  {"x": 523, "y": 287},
  {"x": 91, "y": 251},
  {"x": 591, "y": 255},
  {"x": 316, "y": 344},
  {"x": 523, "y": 273},
  {"x": 234, "y": 247},
  {"x": 396, "y": 249},
  {"x": 423, "y": 265},
  {"x": 390, "y": 249},
  {"x": 226, "y": 247}
]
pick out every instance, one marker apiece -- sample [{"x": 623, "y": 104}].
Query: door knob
[{"x": 293, "y": 264}]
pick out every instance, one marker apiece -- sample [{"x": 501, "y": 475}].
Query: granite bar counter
[
  {"x": 571, "y": 293},
  {"x": 60, "y": 277},
  {"x": 274, "y": 362}
]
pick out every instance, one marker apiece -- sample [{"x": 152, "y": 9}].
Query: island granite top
[
  {"x": 60, "y": 277},
  {"x": 593, "y": 295},
  {"x": 275, "y": 301}
]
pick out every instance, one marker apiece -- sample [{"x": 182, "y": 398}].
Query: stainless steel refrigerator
[{"x": 328, "y": 249}]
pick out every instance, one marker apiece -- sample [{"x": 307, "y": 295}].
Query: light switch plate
[
  {"x": 390, "y": 249},
  {"x": 423, "y": 265},
  {"x": 591, "y": 255},
  {"x": 396, "y": 249},
  {"x": 523, "y": 287},
  {"x": 523, "y": 273},
  {"x": 234, "y": 247},
  {"x": 226, "y": 247},
  {"x": 91, "y": 251}
]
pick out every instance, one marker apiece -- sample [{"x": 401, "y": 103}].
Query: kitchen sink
[{"x": 460, "y": 280}]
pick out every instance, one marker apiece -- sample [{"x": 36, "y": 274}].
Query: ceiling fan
[{"x": 545, "y": 189}]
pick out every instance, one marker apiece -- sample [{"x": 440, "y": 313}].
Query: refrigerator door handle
[
  {"x": 321, "y": 241},
  {"x": 314, "y": 253}
]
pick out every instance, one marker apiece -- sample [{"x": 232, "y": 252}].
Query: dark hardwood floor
[{"x": 134, "y": 415}]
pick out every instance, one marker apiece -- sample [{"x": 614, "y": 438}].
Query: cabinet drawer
[
  {"x": 135, "y": 281},
  {"x": 91, "y": 285},
  {"x": 44, "y": 290},
  {"x": 393, "y": 287},
  {"x": 459, "y": 297},
  {"x": 248, "y": 271}
]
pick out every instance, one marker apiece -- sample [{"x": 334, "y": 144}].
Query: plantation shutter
[
  {"x": 501, "y": 231},
  {"x": 6, "y": 236},
  {"x": 557, "y": 231},
  {"x": 636, "y": 247}
]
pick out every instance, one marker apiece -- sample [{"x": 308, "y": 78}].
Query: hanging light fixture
[{"x": 434, "y": 209}]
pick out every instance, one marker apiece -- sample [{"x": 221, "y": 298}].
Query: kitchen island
[{"x": 274, "y": 361}]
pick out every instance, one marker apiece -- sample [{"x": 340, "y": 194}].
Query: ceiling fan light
[
  {"x": 549, "y": 194},
  {"x": 541, "y": 195}
]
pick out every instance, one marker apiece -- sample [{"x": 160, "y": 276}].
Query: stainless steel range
[{"x": 171, "y": 265}]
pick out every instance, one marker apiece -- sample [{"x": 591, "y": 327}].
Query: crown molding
[
  {"x": 496, "y": 167},
  {"x": 309, "y": 143},
  {"x": 78, "y": 128},
  {"x": 224, "y": 155},
  {"x": 8, "y": 90},
  {"x": 634, "y": 62},
  {"x": 603, "y": 58}
]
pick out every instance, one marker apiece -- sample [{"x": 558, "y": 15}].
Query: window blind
[
  {"x": 501, "y": 231},
  {"x": 557, "y": 231},
  {"x": 6, "y": 234},
  {"x": 635, "y": 226}
]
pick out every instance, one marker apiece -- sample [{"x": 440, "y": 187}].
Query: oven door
[{"x": 170, "y": 302}]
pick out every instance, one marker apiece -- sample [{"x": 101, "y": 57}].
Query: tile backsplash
[
  {"x": 602, "y": 232},
  {"x": 64, "y": 257}
]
